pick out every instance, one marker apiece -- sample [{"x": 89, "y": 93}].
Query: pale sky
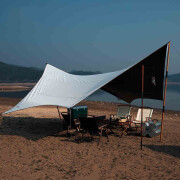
[{"x": 91, "y": 35}]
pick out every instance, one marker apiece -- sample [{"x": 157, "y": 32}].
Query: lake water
[{"x": 172, "y": 98}]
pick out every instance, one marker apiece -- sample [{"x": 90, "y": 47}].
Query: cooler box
[{"x": 77, "y": 111}]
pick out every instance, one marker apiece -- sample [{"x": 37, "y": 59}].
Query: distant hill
[
  {"x": 171, "y": 78},
  {"x": 85, "y": 72},
  {"x": 13, "y": 73}
]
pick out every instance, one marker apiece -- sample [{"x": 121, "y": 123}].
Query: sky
[{"x": 89, "y": 35}]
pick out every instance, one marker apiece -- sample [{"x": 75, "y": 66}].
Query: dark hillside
[{"x": 13, "y": 73}]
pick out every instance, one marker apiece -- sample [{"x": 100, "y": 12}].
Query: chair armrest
[
  {"x": 64, "y": 112},
  {"x": 90, "y": 115},
  {"x": 102, "y": 127}
]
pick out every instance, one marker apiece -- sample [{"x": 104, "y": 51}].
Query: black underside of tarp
[{"x": 128, "y": 86}]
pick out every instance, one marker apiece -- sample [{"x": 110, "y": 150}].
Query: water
[
  {"x": 14, "y": 94},
  {"x": 172, "y": 98}
]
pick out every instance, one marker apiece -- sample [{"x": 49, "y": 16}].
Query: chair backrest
[
  {"x": 147, "y": 113},
  {"x": 66, "y": 117},
  {"x": 123, "y": 110},
  {"x": 88, "y": 124}
]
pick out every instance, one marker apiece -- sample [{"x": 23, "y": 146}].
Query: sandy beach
[
  {"x": 14, "y": 87},
  {"x": 34, "y": 146}
]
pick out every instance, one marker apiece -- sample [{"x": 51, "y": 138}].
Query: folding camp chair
[
  {"x": 90, "y": 126},
  {"x": 147, "y": 115},
  {"x": 122, "y": 115},
  {"x": 74, "y": 113},
  {"x": 123, "y": 112},
  {"x": 73, "y": 124}
]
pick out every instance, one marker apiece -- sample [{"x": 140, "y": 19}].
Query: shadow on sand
[
  {"x": 36, "y": 128},
  {"x": 171, "y": 150},
  {"x": 31, "y": 128}
]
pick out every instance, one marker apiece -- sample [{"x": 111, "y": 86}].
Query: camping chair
[
  {"x": 74, "y": 112},
  {"x": 73, "y": 124},
  {"x": 122, "y": 115},
  {"x": 89, "y": 125},
  {"x": 123, "y": 112},
  {"x": 147, "y": 115}
]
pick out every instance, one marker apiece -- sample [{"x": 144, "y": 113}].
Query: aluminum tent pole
[
  {"x": 142, "y": 103},
  {"x": 165, "y": 88}
]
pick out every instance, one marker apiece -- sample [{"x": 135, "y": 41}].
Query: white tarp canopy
[{"x": 59, "y": 88}]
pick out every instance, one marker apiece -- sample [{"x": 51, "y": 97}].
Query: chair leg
[
  {"x": 67, "y": 131},
  {"x": 91, "y": 137},
  {"x": 107, "y": 135},
  {"x": 110, "y": 128},
  {"x": 100, "y": 134},
  {"x": 99, "y": 137},
  {"x": 136, "y": 127},
  {"x": 83, "y": 135},
  {"x": 124, "y": 131}
]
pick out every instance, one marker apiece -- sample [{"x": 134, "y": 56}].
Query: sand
[
  {"x": 14, "y": 87},
  {"x": 34, "y": 146}
]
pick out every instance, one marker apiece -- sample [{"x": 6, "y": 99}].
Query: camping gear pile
[
  {"x": 78, "y": 118},
  {"x": 152, "y": 128}
]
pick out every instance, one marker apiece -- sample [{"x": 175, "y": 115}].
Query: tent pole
[
  {"x": 142, "y": 103},
  {"x": 70, "y": 117},
  {"x": 59, "y": 113},
  {"x": 165, "y": 88}
]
